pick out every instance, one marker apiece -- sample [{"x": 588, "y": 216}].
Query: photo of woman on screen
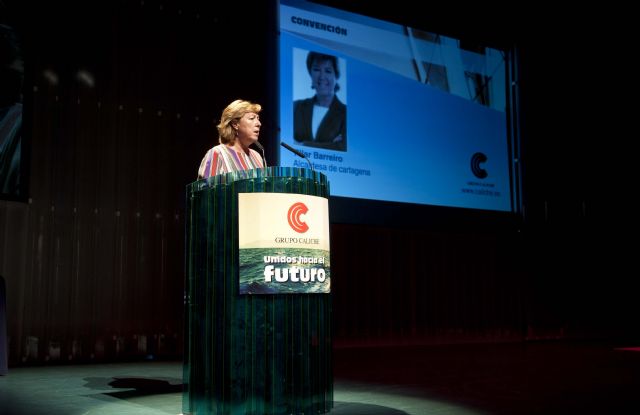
[{"x": 321, "y": 120}]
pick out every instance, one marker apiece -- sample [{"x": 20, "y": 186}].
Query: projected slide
[{"x": 392, "y": 113}]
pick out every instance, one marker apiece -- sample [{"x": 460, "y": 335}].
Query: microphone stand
[
  {"x": 264, "y": 159},
  {"x": 297, "y": 153}
]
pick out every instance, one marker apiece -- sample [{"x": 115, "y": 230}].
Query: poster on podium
[{"x": 283, "y": 243}]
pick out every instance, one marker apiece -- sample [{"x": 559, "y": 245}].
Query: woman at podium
[{"x": 239, "y": 128}]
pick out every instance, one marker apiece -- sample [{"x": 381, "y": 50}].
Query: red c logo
[{"x": 293, "y": 216}]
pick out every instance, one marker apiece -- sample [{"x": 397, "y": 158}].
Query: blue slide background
[{"x": 416, "y": 141}]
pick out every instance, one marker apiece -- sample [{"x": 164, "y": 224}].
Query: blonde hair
[{"x": 231, "y": 115}]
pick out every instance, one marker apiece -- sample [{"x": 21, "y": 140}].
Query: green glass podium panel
[{"x": 258, "y": 353}]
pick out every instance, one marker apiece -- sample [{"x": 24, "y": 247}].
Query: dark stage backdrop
[
  {"x": 124, "y": 97},
  {"x": 123, "y": 100}
]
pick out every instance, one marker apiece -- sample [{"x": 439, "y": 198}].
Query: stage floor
[{"x": 466, "y": 379}]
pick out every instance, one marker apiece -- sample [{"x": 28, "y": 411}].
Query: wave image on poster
[{"x": 267, "y": 271}]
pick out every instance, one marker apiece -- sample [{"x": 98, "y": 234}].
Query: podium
[{"x": 249, "y": 353}]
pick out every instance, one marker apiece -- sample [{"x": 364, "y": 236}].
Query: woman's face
[
  {"x": 249, "y": 128},
  {"x": 323, "y": 77}
]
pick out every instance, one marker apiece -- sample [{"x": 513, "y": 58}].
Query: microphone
[
  {"x": 297, "y": 153},
  {"x": 261, "y": 149}
]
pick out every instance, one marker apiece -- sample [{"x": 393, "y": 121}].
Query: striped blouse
[{"x": 223, "y": 159}]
